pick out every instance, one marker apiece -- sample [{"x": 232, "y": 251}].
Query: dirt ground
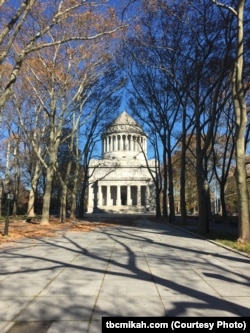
[{"x": 21, "y": 229}]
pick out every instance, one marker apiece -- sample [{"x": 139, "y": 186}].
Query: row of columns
[
  {"x": 122, "y": 142},
  {"x": 125, "y": 196}
]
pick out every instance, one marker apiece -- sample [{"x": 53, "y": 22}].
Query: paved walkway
[{"x": 66, "y": 284}]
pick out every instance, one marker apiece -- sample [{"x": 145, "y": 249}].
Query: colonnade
[
  {"x": 121, "y": 142},
  {"x": 122, "y": 195}
]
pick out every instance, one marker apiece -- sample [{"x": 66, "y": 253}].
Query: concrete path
[{"x": 66, "y": 284}]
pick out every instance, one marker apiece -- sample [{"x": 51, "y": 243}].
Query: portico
[
  {"x": 122, "y": 195},
  {"x": 121, "y": 181}
]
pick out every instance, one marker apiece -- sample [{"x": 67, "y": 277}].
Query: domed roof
[
  {"x": 124, "y": 138},
  {"x": 124, "y": 123},
  {"x": 124, "y": 118}
]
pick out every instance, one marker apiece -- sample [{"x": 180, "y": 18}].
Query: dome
[
  {"x": 124, "y": 138},
  {"x": 124, "y": 123}
]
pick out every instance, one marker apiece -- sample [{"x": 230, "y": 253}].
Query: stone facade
[{"x": 120, "y": 182}]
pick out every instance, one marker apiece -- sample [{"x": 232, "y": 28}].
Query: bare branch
[
  {"x": 22, "y": 11},
  {"x": 222, "y": 5}
]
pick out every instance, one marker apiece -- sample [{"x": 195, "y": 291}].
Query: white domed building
[{"x": 121, "y": 181}]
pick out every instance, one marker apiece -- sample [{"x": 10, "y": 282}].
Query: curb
[{"x": 211, "y": 241}]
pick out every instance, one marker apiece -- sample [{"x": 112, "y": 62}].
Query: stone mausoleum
[{"x": 120, "y": 182}]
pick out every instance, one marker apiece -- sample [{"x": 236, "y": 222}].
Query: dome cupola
[{"x": 124, "y": 138}]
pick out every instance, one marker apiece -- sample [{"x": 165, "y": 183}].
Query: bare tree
[
  {"x": 63, "y": 79},
  {"x": 223, "y": 149},
  {"x": 241, "y": 121},
  {"x": 188, "y": 51},
  {"x": 37, "y": 25},
  {"x": 153, "y": 101}
]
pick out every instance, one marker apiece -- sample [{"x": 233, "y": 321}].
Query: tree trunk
[
  {"x": 157, "y": 203},
  {"x": 73, "y": 208},
  {"x": 164, "y": 191},
  {"x": 241, "y": 121},
  {"x": 47, "y": 195},
  {"x": 31, "y": 203},
  {"x": 183, "y": 204},
  {"x": 223, "y": 207},
  {"x": 64, "y": 192},
  {"x": 63, "y": 201},
  {"x": 34, "y": 180},
  {"x": 203, "y": 202}
]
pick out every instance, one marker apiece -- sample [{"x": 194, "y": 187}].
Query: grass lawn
[
  {"x": 219, "y": 233},
  {"x": 229, "y": 240}
]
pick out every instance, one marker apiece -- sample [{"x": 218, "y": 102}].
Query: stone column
[
  {"x": 123, "y": 141},
  {"x": 107, "y": 146},
  {"x": 118, "y": 142},
  {"x": 138, "y": 195},
  {"x": 129, "y": 195},
  {"x": 104, "y": 145},
  {"x": 126, "y": 142},
  {"x": 99, "y": 196},
  {"x": 118, "y": 195},
  {"x": 147, "y": 201},
  {"x": 108, "y": 196}
]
